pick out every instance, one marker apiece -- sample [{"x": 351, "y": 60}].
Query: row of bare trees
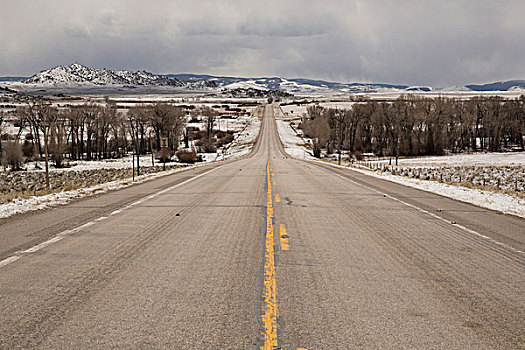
[
  {"x": 419, "y": 126},
  {"x": 96, "y": 130}
]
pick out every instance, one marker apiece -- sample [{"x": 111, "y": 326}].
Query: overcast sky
[{"x": 439, "y": 43}]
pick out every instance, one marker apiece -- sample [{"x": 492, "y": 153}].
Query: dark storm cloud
[{"x": 414, "y": 42}]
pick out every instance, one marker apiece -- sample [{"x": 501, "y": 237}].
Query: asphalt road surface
[{"x": 263, "y": 252}]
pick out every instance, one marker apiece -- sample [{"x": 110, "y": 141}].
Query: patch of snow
[
  {"x": 80, "y": 165},
  {"x": 518, "y": 89},
  {"x": 248, "y": 84},
  {"x": 245, "y": 139},
  {"x": 294, "y": 144},
  {"x": 471, "y": 159},
  {"x": 338, "y": 104},
  {"x": 41, "y": 202},
  {"x": 294, "y": 110}
]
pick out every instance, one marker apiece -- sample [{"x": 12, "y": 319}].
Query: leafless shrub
[
  {"x": 186, "y": 156},
  {"x": 164, "y": 155},
  {"x": 208, "y": 146},
  {"x": 12, "y": 155}
]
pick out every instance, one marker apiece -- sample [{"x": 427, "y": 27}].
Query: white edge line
[
  {"x": 43, "y": 245},
  {"x": 492, "y": 240},
  {"x": 62, "y": 234},
  {"x": 9, "y": 260}
]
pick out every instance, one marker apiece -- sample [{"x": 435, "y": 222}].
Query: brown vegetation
[{"x": 419, "y": 126}]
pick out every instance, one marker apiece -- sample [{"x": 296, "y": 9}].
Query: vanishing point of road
[{"x": 263, "y": 252}]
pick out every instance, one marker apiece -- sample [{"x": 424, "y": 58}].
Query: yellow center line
[
  {"x": 270, "y": 314},
  {"x": 277, "y": 198},
  {"x": 283, "y": 237}
]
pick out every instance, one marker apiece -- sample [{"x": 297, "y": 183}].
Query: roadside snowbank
[
  {"x": 293, "y": 143},
  {"x": 244, "y": 141},
  {"x": 19, "y": 205},
  {"x": 501, "y": 202},
  {"x": 472, "y": 159}
]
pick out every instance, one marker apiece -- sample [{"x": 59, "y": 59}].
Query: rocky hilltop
[{"x": 79, "y": 74}]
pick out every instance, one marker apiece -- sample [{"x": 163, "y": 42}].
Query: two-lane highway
[{"x": 265, "y": 251}]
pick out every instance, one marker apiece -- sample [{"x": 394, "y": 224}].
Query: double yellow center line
[
  {"x": 270, "y": 312},
  {"x": 269, "y": 309}
]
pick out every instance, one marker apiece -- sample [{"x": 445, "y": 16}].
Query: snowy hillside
[
  {"x": 311, "y": 86},
  {"x": 508, "y": 85},
  {"x": 297, "y": 85},
  {"x": 79, "y": 74}
]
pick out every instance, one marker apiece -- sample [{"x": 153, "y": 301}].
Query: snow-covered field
[
  {"x": 472, "y": 159},
  {"x": 509, "y": 166},
  {"x": 497, "y": 171},
  {"x": 293, "y": 142},
  {"x": 337, "y": 104},
  {"x": 297, "y": 110},
  {"x": 294, "y": 110},
  {"x": 81, "y": 165},
  {"x": 245, "y": 139},
  {"x": 247, "y": 129},
  {"x": 452, "y": 93}
]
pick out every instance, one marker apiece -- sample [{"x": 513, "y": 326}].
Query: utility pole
[
  {"x": 138, "y": 163},
  {"x": 397, "y": 152},
  {"x": 163, "y": 146},
  {"x": 136, "y": 153},
  {"x": 152, "y": 156}
]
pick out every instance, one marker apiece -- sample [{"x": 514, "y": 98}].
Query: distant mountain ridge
[
  {"x": 13, "y": 78},
  {"x": 79, "y": 74},
  {"x": 285, "y": 84},
  {"x": 498, "y": 86},
  {"x": 294, "y": 85}
]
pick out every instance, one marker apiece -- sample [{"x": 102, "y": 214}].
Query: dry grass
[
  {"x": 23, "y": 185},
  {"x": 497, "y": 179}
]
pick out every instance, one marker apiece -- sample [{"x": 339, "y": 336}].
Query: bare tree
[
  {"x": 2, "y": 123},
  {"x": 91, "y": 115},
  {"x": 56, "y": 136},
  {"x": 166, "y": 121},
  {"x": 314, "y": 111},
  {"x": 77, "y": 118},
  {"x": 210, "y": 115},
  {"x": 137, "y": 119},
  {"x": 414, "y": 126}
]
